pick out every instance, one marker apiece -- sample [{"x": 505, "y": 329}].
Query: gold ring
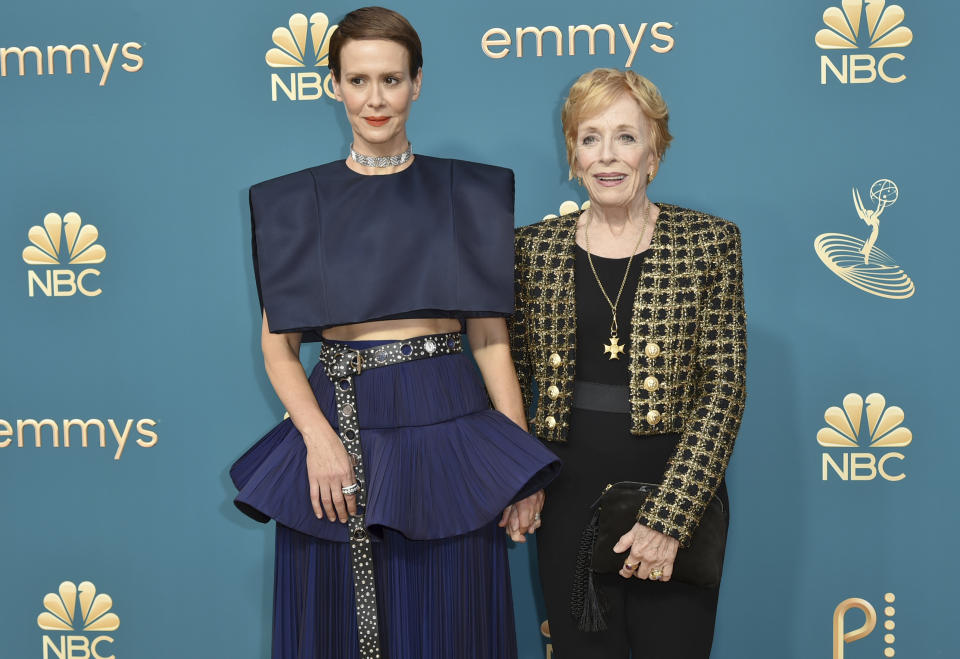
[
  {"x": 656, "y": 573},
  {"x": 630, "y": 568}
]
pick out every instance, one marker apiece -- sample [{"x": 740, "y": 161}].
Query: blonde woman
[{"x": 630, "y": 322}]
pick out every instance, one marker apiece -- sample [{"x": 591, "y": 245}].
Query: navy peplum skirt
[{"x": 441, "y": 467}]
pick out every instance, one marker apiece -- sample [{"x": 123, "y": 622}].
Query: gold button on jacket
[{"x": 687, "y": 335}]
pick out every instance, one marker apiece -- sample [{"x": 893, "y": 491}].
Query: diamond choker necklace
[{"x": 382, "y": 161}]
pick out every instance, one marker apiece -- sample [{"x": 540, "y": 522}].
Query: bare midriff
[{"x": 379, "y": 330}]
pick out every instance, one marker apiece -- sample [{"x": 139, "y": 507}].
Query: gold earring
[{"x": 649, "y": 178}]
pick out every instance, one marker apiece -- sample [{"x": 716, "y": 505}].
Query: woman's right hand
[
  {"x": 329, "y": 470},
  {"x": 329, "y": 467}
]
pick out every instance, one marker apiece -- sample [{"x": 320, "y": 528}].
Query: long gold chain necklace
[{"x": 614, "y": 348}]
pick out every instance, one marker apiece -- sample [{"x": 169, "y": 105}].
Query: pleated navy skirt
[{"x": 441, "y": 467}]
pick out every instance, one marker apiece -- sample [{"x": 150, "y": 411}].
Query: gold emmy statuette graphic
[
  {"x": 860, "y": 262},
  {"x": 291, "y": 42},
  {"x": 61, "y": 610},
  {"x": 842, "y": 637},
  {"x": 883, "y": 23},
  {"x": 47, "y": 246}
]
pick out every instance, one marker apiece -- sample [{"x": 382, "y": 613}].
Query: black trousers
[{"x": 653, "y": 620}]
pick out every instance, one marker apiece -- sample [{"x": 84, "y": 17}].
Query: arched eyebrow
[
  {"x": 381, "y": 74},
  {"x": 591, "y": 127}
]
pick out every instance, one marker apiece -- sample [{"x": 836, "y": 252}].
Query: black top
[
  {"x": 593, "y": 316},
  {"x": 333, "y": 247}
]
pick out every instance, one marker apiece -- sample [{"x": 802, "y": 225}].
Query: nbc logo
[
  {"x": 291, "y": 51},
  {"x": 844, "y": 431},
  {"x": 862, "y": 24},
  {"x": 62, "y": 615},
  {"x": 860, "y": 262},
  {"x": 63, "y": 241},
  {"x": 842, "y": 637}
]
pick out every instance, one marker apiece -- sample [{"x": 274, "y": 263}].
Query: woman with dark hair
[{"x": 388, "y": 480}]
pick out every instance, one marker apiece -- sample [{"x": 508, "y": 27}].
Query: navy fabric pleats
[
  {"x": 439, "y": 461},
  {"x": 441, "y": 466},
  {"x": 437, "y": 599}
]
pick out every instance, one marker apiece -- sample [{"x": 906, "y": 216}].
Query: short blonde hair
[{"x": 598, "y": 89}]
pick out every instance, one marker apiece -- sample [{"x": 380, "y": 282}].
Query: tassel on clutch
[{"x": 615, "y": 513}]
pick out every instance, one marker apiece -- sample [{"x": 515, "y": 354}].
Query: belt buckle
[{"x": 358, "y": 361}]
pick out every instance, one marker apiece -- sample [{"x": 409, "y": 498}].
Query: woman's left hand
[
  {"x": 523, "y": 516},
  {"x": 649, "y": 551}
]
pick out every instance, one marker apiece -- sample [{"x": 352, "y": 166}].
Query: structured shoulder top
[{"x": 334, "y": 247}]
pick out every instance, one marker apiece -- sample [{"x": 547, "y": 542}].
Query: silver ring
[
  {"x": 351, "y": 489},
  {"x": 536, "y": 517}
]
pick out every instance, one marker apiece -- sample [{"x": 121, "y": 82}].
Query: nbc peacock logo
[
  {"x": 63, "y": 241},
  {"x": 857, "y": 24},
  {"x": 84, "y": 611},
  {"x": 302, "y": 43},
  {"x": 849, "y": 429},
  {"x": 858, "y": 261}
]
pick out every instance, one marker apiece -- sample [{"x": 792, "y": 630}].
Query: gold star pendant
[{"x": 614, "y": 348}]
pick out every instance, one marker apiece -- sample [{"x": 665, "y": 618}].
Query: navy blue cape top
[{"x": 333, "y": 247}]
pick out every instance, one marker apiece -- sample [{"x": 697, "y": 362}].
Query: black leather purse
[{"x": 615, "y": 513}]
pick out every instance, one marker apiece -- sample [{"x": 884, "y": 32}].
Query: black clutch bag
[{"x": 615, "y": 513}]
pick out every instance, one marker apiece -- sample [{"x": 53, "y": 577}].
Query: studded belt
[{"x": 342, "y": 364}]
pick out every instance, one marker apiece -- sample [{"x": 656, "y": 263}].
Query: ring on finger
[
  {"x": 351, "y": 489},
  {"x": 655, "y": 574},
  {"x": 630, "y": 568}
]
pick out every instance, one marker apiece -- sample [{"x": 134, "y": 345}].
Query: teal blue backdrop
[{"x": 153, "y": 336}]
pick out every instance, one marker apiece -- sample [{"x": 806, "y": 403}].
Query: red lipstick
[{"x": 376, "y": 121}]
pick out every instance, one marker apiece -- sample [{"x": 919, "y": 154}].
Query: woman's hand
[
  {"x": 649, "y": 550},
  {"x": 329, "y": 469},
  {"x": 522, "y": 517},
  {"x": 490, "y": 345}
]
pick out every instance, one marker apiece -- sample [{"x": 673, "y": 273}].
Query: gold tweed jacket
[{"x": 687, "y": 355}]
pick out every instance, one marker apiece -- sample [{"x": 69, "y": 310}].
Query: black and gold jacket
[{"x": 687, "y": 357}]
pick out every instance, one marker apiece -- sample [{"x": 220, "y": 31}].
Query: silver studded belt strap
[{"x": 342, "y": 365}]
